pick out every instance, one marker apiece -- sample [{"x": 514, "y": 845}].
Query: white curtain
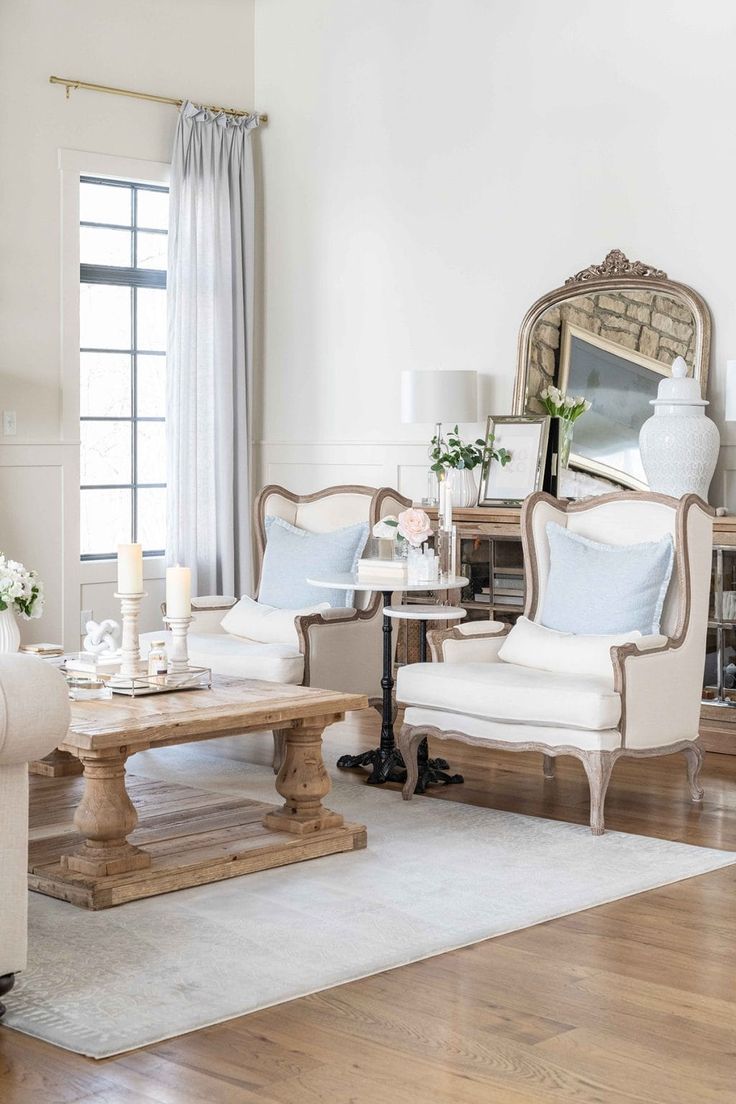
[{"x": 210, "y": 305}]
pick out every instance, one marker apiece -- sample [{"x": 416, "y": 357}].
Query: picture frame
[
  {"x": 525, "y": 437},
  {"x": 620, "y": 383}
]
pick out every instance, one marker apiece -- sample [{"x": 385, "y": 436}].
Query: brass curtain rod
[{"x": 74, "y": 84}]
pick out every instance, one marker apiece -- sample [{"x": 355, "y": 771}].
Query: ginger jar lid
[{"x": 679, "y": 389}]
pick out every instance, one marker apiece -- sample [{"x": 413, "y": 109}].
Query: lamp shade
[
  {"x": 731, "y": 390},
  {"x": 439, "y": 396}
]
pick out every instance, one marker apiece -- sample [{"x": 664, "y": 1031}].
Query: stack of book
[
  {"x": 44, "y": 650},
  {"x": 382, "y": 571}
]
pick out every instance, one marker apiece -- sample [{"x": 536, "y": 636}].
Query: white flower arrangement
[
  {"x": 560, "y": 405},
  {"x": 20, "y": 590}
]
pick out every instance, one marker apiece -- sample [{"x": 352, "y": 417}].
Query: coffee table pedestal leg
[
  {"x": 303, "y": 781},
  {"x": 105, "y": 817}
]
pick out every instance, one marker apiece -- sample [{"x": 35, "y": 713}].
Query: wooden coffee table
[{"x": 107, "y": 861}]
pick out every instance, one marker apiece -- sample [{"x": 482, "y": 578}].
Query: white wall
[
  {"x": 433, "y": 166},
  {"x": 172, "y": 47}
]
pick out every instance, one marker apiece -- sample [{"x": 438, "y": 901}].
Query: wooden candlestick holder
[
  {"x": 179, "y": 652},
  {"x": 131, "y": 665}
]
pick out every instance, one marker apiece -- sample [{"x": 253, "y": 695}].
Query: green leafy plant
[{"x": 459, "y": 454}]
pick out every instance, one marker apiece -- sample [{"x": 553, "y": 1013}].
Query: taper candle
[
  {"x": 130, "y": 569},
  {"x": 178, "y": 591}
]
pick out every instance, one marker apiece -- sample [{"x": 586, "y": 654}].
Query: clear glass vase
[{"x": 565, "y": 441}]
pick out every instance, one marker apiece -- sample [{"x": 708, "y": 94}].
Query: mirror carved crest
[{"x": 610, "y": 333}]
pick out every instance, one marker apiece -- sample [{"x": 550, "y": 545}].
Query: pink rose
[{"x": 414, "y": 526}]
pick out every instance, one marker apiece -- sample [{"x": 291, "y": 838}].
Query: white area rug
[{"x": 436, "y": 875}]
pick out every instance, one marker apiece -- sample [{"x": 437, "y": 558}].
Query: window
[{"x": 123, "y": 244}]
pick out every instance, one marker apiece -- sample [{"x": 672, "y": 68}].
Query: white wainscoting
[
  {"x": 39, "y": 525},
  {"x": 304, "y": 467}
]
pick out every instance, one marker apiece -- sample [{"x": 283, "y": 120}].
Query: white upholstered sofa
[
  {"x": 647, "y": 704},
  {"x": 34, "y": 718}
]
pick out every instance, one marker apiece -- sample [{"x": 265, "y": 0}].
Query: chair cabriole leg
[
  {"x": 279, "y": 748},
  {"x": 694, "y": 756},
  {"x": 598, "y": 766}
]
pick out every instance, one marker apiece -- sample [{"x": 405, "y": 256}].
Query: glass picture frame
[{"x": 525, "y": 437}]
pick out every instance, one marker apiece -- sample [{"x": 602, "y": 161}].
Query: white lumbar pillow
[
  {"x": 266, "y": 624},
  {"x": 532, "y": 645}
]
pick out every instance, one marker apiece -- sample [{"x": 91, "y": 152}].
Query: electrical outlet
[
  {"x": 9, "y": 423},
  {"x": 84, "y": 617}
]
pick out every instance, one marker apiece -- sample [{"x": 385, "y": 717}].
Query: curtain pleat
[{"x": 210, "y": 304}]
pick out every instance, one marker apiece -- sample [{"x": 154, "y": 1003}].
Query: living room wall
[
  {"x": 432, "y": 167},
  {"x": 172, "y": 47}
]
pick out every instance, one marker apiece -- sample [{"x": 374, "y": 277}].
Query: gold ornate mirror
[{"x": 610, "y": 333}]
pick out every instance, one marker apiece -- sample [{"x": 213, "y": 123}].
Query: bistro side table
[
  {"x": 430, "y": 770},
  {"x": 385, "y": 760}
]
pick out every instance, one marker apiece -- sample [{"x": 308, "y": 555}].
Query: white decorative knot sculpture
[
  {"x": 678, "y": 444},
  {"x": 102, "y": 639}
]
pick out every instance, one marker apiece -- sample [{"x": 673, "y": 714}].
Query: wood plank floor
[{"x": 633, "y": 1002}]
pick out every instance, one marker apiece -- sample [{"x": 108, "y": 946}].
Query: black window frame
[{"x": 133, "y": 278}]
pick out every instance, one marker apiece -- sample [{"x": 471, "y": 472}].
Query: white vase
[
  {"x": 462, "y": 486},
  {"x": 679, "y": 444},
  {"x": 9, "y": 631}
]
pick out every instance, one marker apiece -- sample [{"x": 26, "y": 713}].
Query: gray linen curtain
[{"x": 210, "y": 343}]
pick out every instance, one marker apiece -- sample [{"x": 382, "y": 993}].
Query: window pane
[
  {"x": 151, "y": 386},
  {"x": 104, "y": 390},
  {"x": 105, "y": 452},
  {"x": 153, "y": 209},
  {"x": 106, "y": 521},
  {"x": 104, "y": 316},
  {"x": 104, "y": 203},
  {"x": 104, "y": 247},
  {"x": 152, "y": 518},
  {"x": 151, "y": 318},
  {"x": 151, "y": 452},
  {"x": 152, "y": 250}
]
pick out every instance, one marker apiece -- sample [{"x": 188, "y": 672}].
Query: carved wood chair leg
[
  {"x": 409, "y": 741},
  {"x": 598, "y": 766},
  {"x": 694, "y": 756},
  {"x": 279, "y": 748},
  {"x": 548, "y": 766}
]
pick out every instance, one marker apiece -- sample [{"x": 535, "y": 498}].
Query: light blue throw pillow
[
  {"x": 603, "y": 588},
  {"x": 293, "y": 555}
]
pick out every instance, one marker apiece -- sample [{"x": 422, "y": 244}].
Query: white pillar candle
[
  {"x": 447, "y": 521},
  {"x": 130, "y": 569},
  {"x": 178, "y": 592}
]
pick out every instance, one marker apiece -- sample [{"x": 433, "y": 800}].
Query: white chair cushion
[
  {"x": 507, "y": 692},
  {"x": 268, "y": 624},
  {"x": 532, "y": 645},
  {"x": 231, "y": 655},
  {"x": 582, "y": 738}
]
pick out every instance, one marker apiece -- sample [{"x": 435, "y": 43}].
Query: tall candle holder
[
  {"x": 179, "y": 652},
  {"x": 131, "y": 665}
]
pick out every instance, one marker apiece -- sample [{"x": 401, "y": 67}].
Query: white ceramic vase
[
  {"x": 461, "y": 484},
  {"x": 9, "y": 631},
  {"x": 679, "y": 444}
]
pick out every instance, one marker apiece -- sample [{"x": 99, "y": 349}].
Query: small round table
[
  {"x": 430, "y": 770},
  {"x": 385, "y": 760}
]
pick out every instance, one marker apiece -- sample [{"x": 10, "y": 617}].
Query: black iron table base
[{"x": 386, "y": 762}]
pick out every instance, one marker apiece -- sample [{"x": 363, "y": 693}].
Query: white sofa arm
[
  {"x": 474, "y": 642},
  {"x": 660, "y": 688},
  {"x": 34, "y": 709},
  {"x": 343, "y": 648}
]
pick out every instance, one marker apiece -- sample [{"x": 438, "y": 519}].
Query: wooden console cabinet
[{"x": 489, "y": 554}]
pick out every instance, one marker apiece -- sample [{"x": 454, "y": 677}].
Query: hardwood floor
[{"x": 629, "y": 1002}]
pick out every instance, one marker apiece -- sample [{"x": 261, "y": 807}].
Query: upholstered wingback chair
[
  {"x": 336, "y": 649},
  {"x": 34, "y": 718},
  {"x": 647, "y": 704}
]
